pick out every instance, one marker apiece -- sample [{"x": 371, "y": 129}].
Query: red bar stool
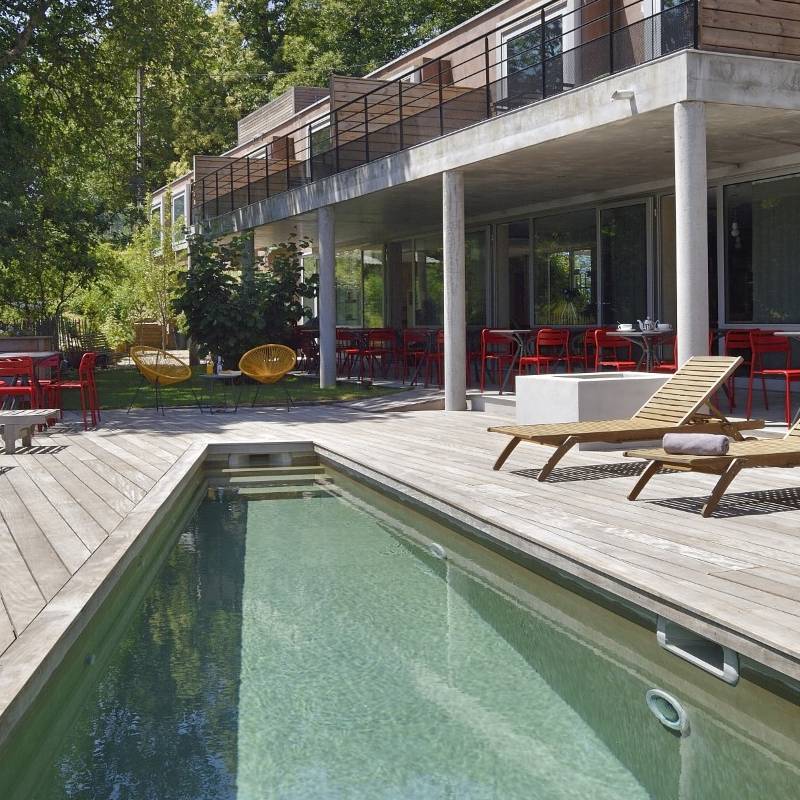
[
  {"x": 763, "y": 343},
  {"x": 551, "y": 349}
]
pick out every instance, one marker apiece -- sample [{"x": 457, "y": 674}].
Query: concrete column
[
  {"x": 455, "y": 310},
  {"x": 326, "y": 301},
  {"x": 691, "y": 229}
]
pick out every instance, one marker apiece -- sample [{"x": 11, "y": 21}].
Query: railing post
[
  {"x": 610, "y": 37},
  {"x": 203, "y": 199},
  {"x": 488, "y": 82},
  {"x": 441, "y": 101},
  {"x": 310, "y": 156},
  {"x": 288, "y": 168},
  {"x": 247, "y": 164},
  {"x": 366, "y": 129},
  {"x": 542, "y": 54},
  {"x": 336, "y": 139},
  {"x": 216, "y": 191},
  {"x": 400, "y": 110},
  {"x": 696, "y": 24},
  {"x": 231, "y": 171}
]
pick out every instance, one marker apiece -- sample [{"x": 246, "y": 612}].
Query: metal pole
[
  {"x": 400, "y": 109},
  {"x": 336, "y": 138},
  {"x": 610, "y": 37},
  {"x": 288, "y": 167},
  {"x": 231, "y": 171},
  {"x": 247, "y": 162},
  {"x": 696, "y": 23},
  {"x": 488, "y": 82},
  {"x": 366, "y": 129},
  {"x": 266, "y": 168},
  {"x": 216, "y": 191},
  {"x": 542, "y": 52},
  {"x": 441, "y": 101},
  {"x": 310, "y": 155}
]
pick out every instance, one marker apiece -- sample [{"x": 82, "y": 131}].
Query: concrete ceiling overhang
[{"x": 611, "y": 160}]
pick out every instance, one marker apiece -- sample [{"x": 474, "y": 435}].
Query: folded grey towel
[{"x": 695, "y": 444}]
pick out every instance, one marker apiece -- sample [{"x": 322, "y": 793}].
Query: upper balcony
[{"x": 534, "y": 56}]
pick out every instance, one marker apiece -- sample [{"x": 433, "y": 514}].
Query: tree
[{"x": 231, "y": 305}]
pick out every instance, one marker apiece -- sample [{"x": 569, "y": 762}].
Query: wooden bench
[{"x": 20, "y": 425}]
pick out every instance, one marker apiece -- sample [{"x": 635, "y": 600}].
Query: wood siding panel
[{"x": 754, "y": 27}]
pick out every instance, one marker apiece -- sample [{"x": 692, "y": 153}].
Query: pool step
[
  {"x": 249, "y": 481},
  {"x": 286, "y": 492},
  {"x": 258, "y": 471}
]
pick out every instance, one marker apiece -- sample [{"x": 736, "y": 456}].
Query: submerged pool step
[
  {"x": 264, "y": 470},
  {"x": 287, "y": 492},
  {"x": 254, "y": 481}
]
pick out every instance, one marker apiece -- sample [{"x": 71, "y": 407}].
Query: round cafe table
[
  {"x": 519, "y": 336},
  {"x": 646, "y": 341}
]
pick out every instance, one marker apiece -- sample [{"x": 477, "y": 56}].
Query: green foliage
[{"x": 231, "y": 304}]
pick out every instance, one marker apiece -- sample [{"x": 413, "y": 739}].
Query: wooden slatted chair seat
[
  {"x": 751, "y": 453},
  {"x": 675, "y": 407}
]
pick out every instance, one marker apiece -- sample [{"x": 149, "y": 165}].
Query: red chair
[
  {"x": 551, "y": 349},
  {"x": 737, "y": 343},
  {"x": 497, "y": 350},
  {"x": 85, "y": 385},
  {"x": 413, "y": 352},
  {"x": 435, "y": 361},
  {"x": 347, "y": 350},
  {"x": 763, "y": 343},
  {"x": 381, "y": 348},
  {"x": 18, "y": 381},
  {"x": 612, "y": 351},
  {"x": 669, "y": 342}
]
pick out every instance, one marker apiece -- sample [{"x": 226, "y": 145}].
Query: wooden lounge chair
[
  {"x": 674, "y": 408},
  {"x": 752, "y": 453}
]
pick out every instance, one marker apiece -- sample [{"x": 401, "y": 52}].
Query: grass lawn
[{"x": 117, "y": 386}]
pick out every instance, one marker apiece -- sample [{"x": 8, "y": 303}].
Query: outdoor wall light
[{"x": 623, "y": 94}]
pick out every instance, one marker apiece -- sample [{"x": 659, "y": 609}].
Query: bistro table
[
  {"x": 519, "y": 336},
  {"x": 646, "y": 341},
  {"x": 428, "y": 350},
  {"x": 225, "y": 380}
]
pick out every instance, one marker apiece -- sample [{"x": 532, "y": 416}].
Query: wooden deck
[{"x": 737, "y": 573}]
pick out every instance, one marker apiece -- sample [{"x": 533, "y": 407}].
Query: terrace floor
[{"x": 733, "y": 577}]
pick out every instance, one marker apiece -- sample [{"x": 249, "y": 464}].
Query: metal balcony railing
[{"x": 551, "y": 53}]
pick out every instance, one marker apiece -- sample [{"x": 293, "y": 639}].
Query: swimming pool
[{"x": 310, "y": 641}]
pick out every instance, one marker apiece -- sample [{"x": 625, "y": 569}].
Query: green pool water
[{"x": 315, "y": 647}]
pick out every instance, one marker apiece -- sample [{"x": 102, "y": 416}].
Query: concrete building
[{"x": 578, "y": 162}]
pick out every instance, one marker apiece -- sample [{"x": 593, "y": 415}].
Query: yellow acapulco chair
[
  {"x": 268, "y": 364},
  {"x": 159, "y": 368}
]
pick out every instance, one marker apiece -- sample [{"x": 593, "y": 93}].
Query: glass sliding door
[
  {"x": 476, "y": 256},
  {"x": 373, "y": 293},
  {"x": 762, "y": 241},
  {"x": 565, "y": 280},
  {"x": 428, "y": 281},
  {"x": 512, "y": 276},
  {"x": 349, "y": 297},
  {"x": 624, "y": 258}
]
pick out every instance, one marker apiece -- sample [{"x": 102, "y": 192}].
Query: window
[
  {"x": 762, "y": 239},
  {"x": 179, "y": 218},
  {"x": 156, "y": 223},
  {"x": 349, "y": 297},
  {"x": 476, "y": 254},
  {"x": 513, "y": 274},
  {"x": 623, "y": 238},
  {"x": 373, "y": 288},
  {"x": 524, "y": 67},
  {"x": 565, "y": 248},
  {"x": 429, "y": 281}
]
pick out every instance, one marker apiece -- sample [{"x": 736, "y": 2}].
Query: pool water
[{"x": 315, "y": 647}]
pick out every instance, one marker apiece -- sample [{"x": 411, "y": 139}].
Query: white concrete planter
[{"x": 584, "y": 396}]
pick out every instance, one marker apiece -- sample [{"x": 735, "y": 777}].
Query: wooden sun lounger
[
  {"x": 674, "y": 408},
  {"x": 20, "y": 425},
  {"x": 752, "y": 453}
]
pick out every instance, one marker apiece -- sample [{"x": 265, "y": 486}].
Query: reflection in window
[
  {"x": 373, "y": 289},
  {"x": 476, "y": 255},
  {"x": 623, "y": 236},
  {"x": 349, "y": 298},
  {"x": 513, "y": 274},
  {"x": 179, "y": 218},
  {"x": 524, "y": 64},
  {"x": 564, "y": 266},
  {"x": 762, "y": 240},
  {"x": 429, "y": 282}
]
